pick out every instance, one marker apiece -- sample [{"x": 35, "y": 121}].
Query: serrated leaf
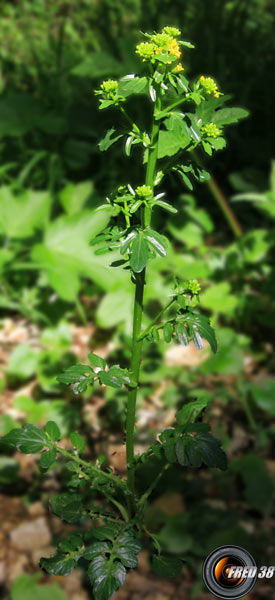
[
  {"x": 53, "y": 431},
  {"x": 128, "y": 549},
  {"x": 139, "y": 253},
  {"x": 60, "y": 564},
  {"x": 95, "y": 549},
  {"x": 78, "y": 441},
  {"x": 166, "y": 566},
  {"x": 191, "y": 451},
  {"x": 67, "y": 506},
  {"x": 47, "y": 458},
  {"x": 97, "y": 361},
  {"x": 71, "y": 543},
  {"x": 106, "y": 577},
  {"x": 190, "y": 412},
  {"x": 32, "y": 439}
]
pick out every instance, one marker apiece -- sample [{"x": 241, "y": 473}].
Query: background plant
[{"x": 239, "y": 376}]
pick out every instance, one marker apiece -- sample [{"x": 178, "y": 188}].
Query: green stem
[
  {"x": 89, "y": 466},
  {"x": 137, "y": 319},
  {"x": 156, "y": 318},
  {"x": 222, "y": 201}
]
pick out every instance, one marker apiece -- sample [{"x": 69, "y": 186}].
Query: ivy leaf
[
  {"x": 166, "y": 566},
  {"x": 31, "y": 440},
  {"x": 106, "y": 577},
  {"x": 78, "y": 441},
  {"x": 47, "y": 458},
  {"x": 53, "y": 431},
  {"x": 97, "y": 361},
  {"x": 128, "y": 549},
  {"x": 139, "y": 253},
  {"x": 59, "y": 564},
  {"x": 67, "y": 506},
  {"x": 108, "y": 141}
]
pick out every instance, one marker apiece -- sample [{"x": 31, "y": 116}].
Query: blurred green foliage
[{"x": 53, "y": 54}]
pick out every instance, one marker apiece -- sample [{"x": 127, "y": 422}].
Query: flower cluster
[
  {"x": 144, "y": 191},
  {"x": 108, "y": 89},
  {"x": 193, "y": 285},
  {"x": 211, "y": 130},
  {"x": 162, "y": 47},
  {"x": 210, "y": 86}
]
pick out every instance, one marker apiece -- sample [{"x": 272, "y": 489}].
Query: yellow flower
[
  {"x": 109, "y": 86},
  {"x": 144, "y": 191},
  {"x": 145, "y": 50},
  {"x": 211, "y": 130},
  {"x": 173, "y": 48},
  {"x": 178, "y": 68},
  {"x": 173, "y": 31},
  {"x": 210, "y": 86}
]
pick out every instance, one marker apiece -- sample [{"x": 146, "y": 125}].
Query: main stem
[{"x": 137, "y": 318}]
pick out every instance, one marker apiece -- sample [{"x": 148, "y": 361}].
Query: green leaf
[
  {"x": 259, "y": 488},
  {"x": 127, "y": 550},
  {"x": 139, "y": 253},
  {"x": 65, "y": 255},
  {"x": 71, "y": 543},
  {"x": 166, "y": 566},
  {"x": 53, "y": 431},
  {"x": 12, "y": 438},
  {"x": 74, "y": 196},
  {"x": 167, "y": 332},
  {"x": 106, "y": 532},
  {"x": 23, "y": 361},
  {"x": 226, "y": 116},
  {"x": 59, "y": 564},
  {"x": 25, "y": 587},
  {"x": 181, "y": 333},
  {"x": 218, "y": 298},
  {"x": 67, "y": 506},
  {"x": 156, "y": 241},
  {"x": 47, "y": 459},
  {"x": 170, "y": 143},
  {"x": 22, "y": 215},
  {"x": 96, "y": 549},
  {"x": 106, "y": 577},
  {"x": 78, "y": 441},
  {"x": 203, "y": 447},
  {"x": 97, "y": 361},
  {"x": 32, "y": 439},
  {"x": 263, "y": 393},
  {"x": 116, "y": 377},
  {"x": 99, "y": 64},
  {"x": 129, "y": 85},
  {"x": 80, "y": 375},
  {"x": 198, "y": 325},
  {"x": 108, "y": 140},
  {"x": 166, "y": 206},
  {"x": 191, "y": 411}
]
